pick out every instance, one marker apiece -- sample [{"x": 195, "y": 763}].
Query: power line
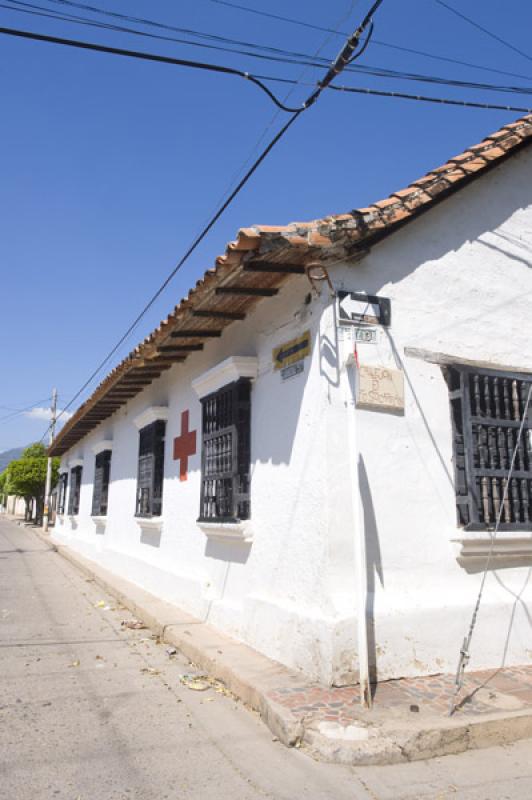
[
  {"x": 378, "y": 42},
  {"x": 276, "y": 54},
  {"x": 284, "y": 57},
  {"x": 425, "y": 99},
  {"x": 100, "y": 48},
  {"x": 405, "y": 96},
  {"x": 484, "y": 30},
  {"x": 296, "y": 82},
  {"x": 347, "y": 54},
  {"x": 16, "y": 411}
]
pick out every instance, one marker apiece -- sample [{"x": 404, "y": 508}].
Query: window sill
[
  {"x": 99, "y": 519},
  {"x": 227, "y": 531},
  {"x": 150, "y": 523},
  {"x": 508, "y": 544}
]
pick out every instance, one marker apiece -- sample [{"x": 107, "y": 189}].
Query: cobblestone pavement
[{"x": 483, "y": 692}]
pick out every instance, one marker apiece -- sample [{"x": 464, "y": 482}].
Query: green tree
[
  {"x": 3, "y": 487},
  {"x": 26, "y": 477},
  {"x": 36, "y": 450}
]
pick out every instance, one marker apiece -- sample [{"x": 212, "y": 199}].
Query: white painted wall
[
  {"x": 271, "y": 593},
  {"x": 460, "y": 282}
]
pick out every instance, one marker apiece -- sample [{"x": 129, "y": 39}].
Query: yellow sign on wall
[{"x": 292, "y": 351}]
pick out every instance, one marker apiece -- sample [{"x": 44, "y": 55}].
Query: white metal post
[
  {"x": 350, "y": 365},
  {"x": 48, "y": 485}
]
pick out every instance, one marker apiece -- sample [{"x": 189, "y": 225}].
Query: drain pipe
[{"x": 351, "y": 368}]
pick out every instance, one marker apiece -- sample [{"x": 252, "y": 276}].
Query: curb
[
  {"x": 251, "y": 677},
  {"x": 245, "y": 672},
  {"x": 365, "y": 745}
]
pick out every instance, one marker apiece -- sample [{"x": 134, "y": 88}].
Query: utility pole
[{"x": 48, "y": 486}]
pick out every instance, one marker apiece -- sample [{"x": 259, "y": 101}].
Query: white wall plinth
[
  {"x": 227, "y": 531},
  {"x": 507, "y": 544},
  {"x": 150, "y": 523}
]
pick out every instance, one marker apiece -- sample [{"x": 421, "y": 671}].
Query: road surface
[{"x": 90, "y": 710}]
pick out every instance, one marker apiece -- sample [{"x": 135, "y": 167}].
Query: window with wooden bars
[
  {"x": 487, "y": 409},
  {"x": 102, "y": 472},
  {"x": 62, "y": 491},
  {"x": 225, "y": 454},
  {"x": 75, "y": 490},
  {"x": 150, "y": 473}
]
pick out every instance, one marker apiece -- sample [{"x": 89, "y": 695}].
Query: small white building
[{"x": 323, "y": 431}]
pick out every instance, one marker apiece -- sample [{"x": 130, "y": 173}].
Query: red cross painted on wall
[{"x": 184, "y": 446}]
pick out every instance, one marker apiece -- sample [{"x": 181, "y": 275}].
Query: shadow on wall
[
  {"x": 151, "y": 537},
  {"x": 373, "y": 565},
  {"x": 234, "y": 552},
  {"x": 401, "y": 365}
]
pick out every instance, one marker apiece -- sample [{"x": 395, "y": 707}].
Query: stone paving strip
[{"x": 409, "y": 719}]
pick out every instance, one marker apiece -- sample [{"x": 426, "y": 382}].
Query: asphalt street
[{"x": 93, "y": 710}]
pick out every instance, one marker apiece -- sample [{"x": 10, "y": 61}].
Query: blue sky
[{"x": 111, "y": 166}]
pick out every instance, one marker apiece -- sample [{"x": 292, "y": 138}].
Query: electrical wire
[
  {"x": 465, "y": 653},
  {"x": 405, "y": 96},
  {"x": 484, "y": 30},
  {"x": 336, "y": 67},
  {"x": 269, "y": 125},
  {"x": 100, "y": 48},
  {"x": 17, "y": 411},
  {"x": 427, "y": 99},
  {"x": 378, "y": 42},
  {"x": 283, "y": 57}
]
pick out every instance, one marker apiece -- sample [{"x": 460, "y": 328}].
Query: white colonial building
[{"x": 330, "y": 427}]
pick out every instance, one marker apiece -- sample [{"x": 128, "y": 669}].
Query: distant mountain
[{"x": 9, "y": 455}]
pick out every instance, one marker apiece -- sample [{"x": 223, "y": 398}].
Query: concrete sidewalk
[{"x": 409, "y": 719}]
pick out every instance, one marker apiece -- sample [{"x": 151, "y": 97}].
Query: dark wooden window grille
[
  {"x": 487, "y": 408},
  {"x": 63, "y": 482},
  {"x": 150, "y": 470},
  {"x": 75, "y": 489},
  {"x": 225, "y": 454},
  {"x": 102, "y": 472}
]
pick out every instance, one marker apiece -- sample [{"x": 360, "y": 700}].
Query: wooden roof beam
[
  {"x": 167, "y": 360},
  {"x": 200, "y": 333},
  {"x": 246, "y": 291},
  {"x": 214, "y": 314},
  {"x": 271, "y": 266},
  {"x": 151, "y": 374},
  {"x": 179, "y": 348}
]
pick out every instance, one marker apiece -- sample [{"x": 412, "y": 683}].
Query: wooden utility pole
[{"x": 48, "y": 486}]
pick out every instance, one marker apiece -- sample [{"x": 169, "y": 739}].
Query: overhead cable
[
  {"x": 484, "y": 30},
  {"x": 119, "y": 51},
  {"x": 405, "y": 96},
  {"x": 273, "y": 54},
  {"x": 17, "y": 411},
  {"x": 425, "y": 99},
  {"x": 258, "y": 80},
  {"x": 294, "y": 83},
  {"x": 345, "y": 54},
  {"x": 378, "y": 42}
]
